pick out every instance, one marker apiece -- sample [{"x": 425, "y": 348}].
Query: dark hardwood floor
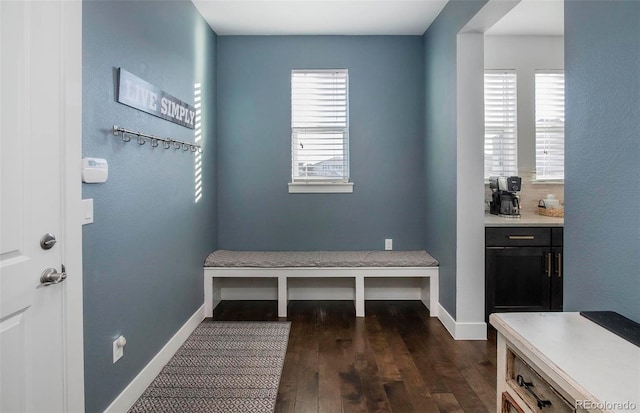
[{"x": 396, "y": 359}]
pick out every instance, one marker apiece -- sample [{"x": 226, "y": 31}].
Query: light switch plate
[
  {"x": 118, "y": 348},
  {"x": 87, "y": 206}
]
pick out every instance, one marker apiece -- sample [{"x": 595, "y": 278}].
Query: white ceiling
[
  {"x": 532, "y": 18},
  {"x": 364, "y": 17},
  {"x": 318, "y": 17}
]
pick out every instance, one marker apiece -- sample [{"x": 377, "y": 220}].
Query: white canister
[{"x": 550, "y": 202}]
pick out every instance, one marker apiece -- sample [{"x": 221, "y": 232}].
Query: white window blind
[
  {"x": 500, "y": 126},
  {"x": 320, "y": 125},
  {"x": 549, "y": 125}
]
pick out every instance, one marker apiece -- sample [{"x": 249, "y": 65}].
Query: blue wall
[
  {"x": 386, "y": 92},
  {"x": 143, "y": 255},
  {"x": 602, "y": 178},
  {"x": 440, "y": 137}
]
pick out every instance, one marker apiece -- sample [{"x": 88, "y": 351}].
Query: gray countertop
[{"x": 530, "y": 219}]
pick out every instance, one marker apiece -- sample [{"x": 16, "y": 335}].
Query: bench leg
[
  {"x": 359, "y": 301},
  {"x": 208, "y": 296},
  {"x": 430, "y": 293},
  {"x": 434, "y": 297},
  {"x": 283, "y": 296},
  {"x": 216, "y": 292},
  {"x": 212, "y": 294}
]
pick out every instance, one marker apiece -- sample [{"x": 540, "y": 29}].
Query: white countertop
[
  {"x": 587, "y": 356},
  {"x": 530, "y": 219}
]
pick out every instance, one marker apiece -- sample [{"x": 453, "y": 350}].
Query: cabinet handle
[
  {"x": 521, "y": 237},
  {"x": 548, "y": 270},
  {"x": 559, "y": 269},
  {"x": 528, "y": 387}
]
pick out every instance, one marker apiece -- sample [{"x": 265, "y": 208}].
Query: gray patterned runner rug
[{"x": 223, "y": 366}]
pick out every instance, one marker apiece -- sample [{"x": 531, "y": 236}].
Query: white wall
[
  {"x": 470, "y": 213},
  {"x": 525, "y": 54}
]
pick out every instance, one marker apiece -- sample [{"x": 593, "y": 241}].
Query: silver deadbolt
[
  {"x": 52, "y": 276},
  {"x": 48, "y": 241}
]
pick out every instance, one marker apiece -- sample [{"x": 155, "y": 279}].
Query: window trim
[
  {"x": 514, "y": 73},
  {"x": 535, "y": 126},
  {"x": 325, "y": 187},
  {"x": 319, "y": 184}
]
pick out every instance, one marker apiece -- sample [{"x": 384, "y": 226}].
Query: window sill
[
  {"x": 321, "y": 187},
  {"x": 549, "y": 182}
]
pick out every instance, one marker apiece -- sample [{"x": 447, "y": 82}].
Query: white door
[{"x": 34, "y": 111}]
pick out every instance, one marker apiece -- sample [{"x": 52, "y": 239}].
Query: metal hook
[{"x": 142, "y": 138}]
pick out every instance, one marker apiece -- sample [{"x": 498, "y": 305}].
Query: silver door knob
[
  {"x": 52, "y": 276},
  {"x": 48, "y": 241}
]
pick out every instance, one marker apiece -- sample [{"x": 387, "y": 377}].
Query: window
[
  {"x": 549, "y": 125},
  {"x": 320, "y": 130},
  {"x": 500, "y": 129}
]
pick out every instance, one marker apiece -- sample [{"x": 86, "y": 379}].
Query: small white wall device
[{"x": 94, "y": 170}]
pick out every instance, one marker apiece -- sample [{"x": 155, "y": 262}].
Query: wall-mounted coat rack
[{"x": 167, "y": 143}]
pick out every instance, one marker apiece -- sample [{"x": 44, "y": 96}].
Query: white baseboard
[
  {"x": 139, "y": 384},
  {"x": 462, "y": 331}
]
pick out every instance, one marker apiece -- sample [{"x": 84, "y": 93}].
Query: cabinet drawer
[
  {"x": 540, "y": 395},
  {"x": 556, "y": 236},
  {"x": 518, "y": 237},
  {"x": 509, "y": 405}
]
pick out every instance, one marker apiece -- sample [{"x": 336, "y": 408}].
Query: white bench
[{"x": 357, "y": 265}]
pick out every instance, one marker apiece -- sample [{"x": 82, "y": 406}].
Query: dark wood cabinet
[
  {"x": 523, "y": 269},
  {"x": 556, "y": 276}
]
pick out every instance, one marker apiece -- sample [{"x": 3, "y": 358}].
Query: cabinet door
[
  {"x": 556, "y": 279},
  {"x": 517, "y": 279}
]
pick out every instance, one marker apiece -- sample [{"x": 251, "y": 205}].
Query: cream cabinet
[{"x": 562, "y": 362}]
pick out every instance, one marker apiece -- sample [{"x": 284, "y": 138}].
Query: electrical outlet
[
  {"x": 118, "y": 348},
  {"x": 388, "y": 244}
]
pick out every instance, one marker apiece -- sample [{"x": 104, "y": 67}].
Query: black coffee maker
[{"x": 504, "y": 201}]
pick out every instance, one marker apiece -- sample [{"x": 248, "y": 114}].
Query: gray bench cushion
[{"x": 283, "y": 259}]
